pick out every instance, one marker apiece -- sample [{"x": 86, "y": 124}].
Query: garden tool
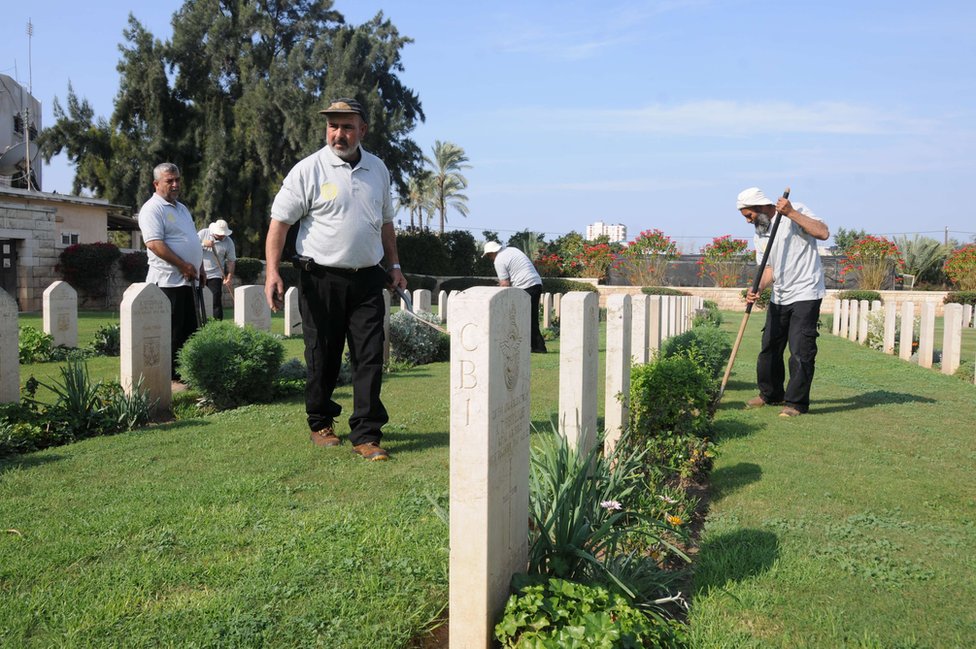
[
  {"x": 755, "y": 289},
  {"x": 201, "y": 305},
  {"x": 406, "y": 300}
]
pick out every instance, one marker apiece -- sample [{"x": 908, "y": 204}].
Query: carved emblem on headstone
[
  {"x": 150, "y": 352},
  {"x": 510, "y": 344}
]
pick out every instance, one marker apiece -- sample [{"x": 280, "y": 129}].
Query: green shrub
[
  {"x": 248, "y": 269},
  {"x": 859, "y": 295},
  {"x": 557, "y": 285},
  {"x": 712, "y": 345},
  {"x": 107, "y": 340},
  {"x": 561, "y": 614},
  {"x": 86, "y": 266},
  {"x": 661, "y": 290},
  {"x": 965, "y": 371},
  {"x": 231, "y": 365},
  {"x": 707, "y": 315},
  {"x": 671, "y": 394},
  {"x": 464, "y": 283},
  {"x": 764, "y": 297},
  {"x": 33, "y": 345},
  {"x": 134, "y": 266},
  {"x": 414, "y": 342},
  {"x": 960, "y": 297}
]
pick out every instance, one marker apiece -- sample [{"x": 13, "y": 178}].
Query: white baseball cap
[
  {"x": 751, "y": 197},
  {"x": 220, "y": 228}
]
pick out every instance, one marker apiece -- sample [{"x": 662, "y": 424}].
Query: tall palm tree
[
  {"x": 448, "y": 183},
  {"x": 419, "y": 199}
]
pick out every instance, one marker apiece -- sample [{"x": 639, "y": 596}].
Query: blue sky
[{"x": 653, "y": 114}]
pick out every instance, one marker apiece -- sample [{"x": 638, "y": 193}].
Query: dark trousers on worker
[
  {"x": 183, "y": 319},
  {"x": 796, "y": 325},
  {"x": 216, "y": 286},
  {"x": 337, "y": 306},
  {"x": 535, "y": 294}
]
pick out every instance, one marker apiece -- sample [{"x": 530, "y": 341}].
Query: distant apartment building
[{"x": 614, "y": 232}]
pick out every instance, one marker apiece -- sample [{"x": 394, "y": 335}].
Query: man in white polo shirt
[
  {"x": 514, "y": 268},
  {"x": 797, "y": 276},
  {"x": 175, "y": 256},
  {"x": 340, "y": 198}
]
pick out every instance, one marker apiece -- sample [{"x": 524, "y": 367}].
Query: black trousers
[
  {"x": 183, "y": 318},
  {"x": 338, "y": 307},
  {"x": 216, "y": 285},
  {"x": 796, "y": 325},
  {"x": 535, "y": 294}
]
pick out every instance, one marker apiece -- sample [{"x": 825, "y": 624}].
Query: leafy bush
[
  {"x": 961, "y": 267},
  {"x": 248, "y": 269},
  {"x": 671, "y": 394},
  {"x": 662, "y": 290},
  {"x": 231, "y": 365},
  {"x": 870, "y": 260},
  {"x": 707, "y": 315},
  {"x": 644, "y": 262},
  {"x": 107, "y": 340},
  {"x": 33, "y": 345},
  {"x": 563, "y": 614},
  {"x": 710, "y": 344},
  {"x": 86, "y": 266},
  {"x": 555, "y": 285},
  {"x": 134, "y": 266},
  {"x": 859, "y": 295},
  {"x": 764, "y": 297},
  {"x": 723, "y": 260},
  {"x": 464, "y": 283},
  {"x": 414, "y": 342},
  {"x": 960, "y": 297}
]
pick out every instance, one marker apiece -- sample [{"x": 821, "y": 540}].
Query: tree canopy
[{"x": 233, "y": 100}]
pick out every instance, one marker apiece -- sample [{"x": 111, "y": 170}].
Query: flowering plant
[
  {"x": 960, "y": 266},
  {"x": 549, "y": 265},
  {"x": 644, "y": 261},
  {"x": 870, "y": 260},
  {"x": 723, "y": 260},
  {"x": 595, "y": 260}
]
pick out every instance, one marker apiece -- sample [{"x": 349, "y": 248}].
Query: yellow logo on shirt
[{"x": 328, "y": 191}]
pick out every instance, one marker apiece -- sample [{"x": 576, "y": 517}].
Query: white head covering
[
  {"x": 492, "y": 246},
  {"x": 751, "y": 197},
  {"x": 220, "y": 227}
]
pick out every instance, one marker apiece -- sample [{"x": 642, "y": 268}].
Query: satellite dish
[{"x": 13, "y": 158}]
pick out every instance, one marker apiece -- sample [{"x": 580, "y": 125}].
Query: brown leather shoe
[
  {"x": 755, "y": 402},
  {"x": 325, "y": 437},
  {"x": 789, "y": 411},
  {"x": 371, "y": 451}
]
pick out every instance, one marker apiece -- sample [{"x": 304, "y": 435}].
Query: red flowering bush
[
  {"x": 645, "y": 260},
  {"x": 870, "y": 260},
  {"x": 86, "y": 266},
  {"x": 549, "y": 265},
  {"x": 960, "y": 266},
  {"x": 595, "y": 260},
  {"x": 723, "y": 260}
]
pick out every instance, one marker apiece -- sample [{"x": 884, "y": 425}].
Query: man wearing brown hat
[
  {"x": 797, "y": 277},
  {"x": 340, "y": 198}
]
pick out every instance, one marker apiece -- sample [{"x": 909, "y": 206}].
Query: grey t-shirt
[
  {"x": 797, "y": 271},
  {"x": 512, "y": 264},
  {"x": 172, "y": 224},
  {"x": 224, "y": 250}
]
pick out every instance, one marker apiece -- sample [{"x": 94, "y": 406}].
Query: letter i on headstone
[{"x": 489, "y": 457}]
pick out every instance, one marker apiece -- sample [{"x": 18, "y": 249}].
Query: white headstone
[
  {"x": 907, "y": 335},
  {"x": 442, "y": 306},
  {"x": 654, "y": 325},
  {"x": 251, "y": 308},
  {"x": 616, "y": 404},
  {"x": 845, "y": 314},
  {"x": 9, "y": 350},
  {"x": 967, "y": 315},
  {"x": 421, "y": 300},
  {"x": 853, "y": 320},
  {"x": 951, "y": 338},
  {"x": 639, "y": 343},
  {"x": 489, "y": 455},
  {"x": 578, "y": 369},
  {"x": 60, "y": 304},
  {"x": 546, "y": 310},
  {"x": 864, "y": 310},
  {"x": 145, "y": 343},
  {"x": 890, "y": 322},
  {"x": 293, "y": 316},
  {"x": 557, "y": 301},
  {"x": 926, "y": 335},
  {"x": 835, "y": 310}
]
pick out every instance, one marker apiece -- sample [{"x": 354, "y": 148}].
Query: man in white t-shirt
[
  {"x": 797, "y": 276},
  {"x": 340, "y": 198},
  {"x": 175, "y": 255},
  {"x": 514, "y": 268}
]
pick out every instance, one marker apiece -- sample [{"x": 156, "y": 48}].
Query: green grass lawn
[{"x": 851, "y": 526}]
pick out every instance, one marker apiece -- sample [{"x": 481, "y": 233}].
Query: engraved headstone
[
  {"x": 890, "y": 322},
  {"x": 578, "y": 369},
  {"x": 421, "y": 300},
  {"x": 9, "y": 354},
  {"x": 639, "y": 314},
  {"x": 864, "y": 310},
  {"x": 489, "y": 457},
  {"x": 145, "y": 343},
  {"x": 906, "y": 336},
  {"x": 293, "y": 316},
  {"x": 926, "y": 335},
  {"x": 617, "y": 401},
  {"x": 251, "y": 307},
  {"x": 60, "y": 319},
  {"x": 951, "y": 338},
  {"x": 835, "y": 310}
]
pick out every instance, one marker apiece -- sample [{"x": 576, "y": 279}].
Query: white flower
[
  {"x": 668, "y": 499},
  {"x": 611, "y": 504}
]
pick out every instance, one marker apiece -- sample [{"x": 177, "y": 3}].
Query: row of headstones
[
  {"x": 851, "y": 322},
  {"x": 491, "y": 415}
]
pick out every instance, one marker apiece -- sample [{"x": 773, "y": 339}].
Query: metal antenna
[{"x": 30, "y": 93}]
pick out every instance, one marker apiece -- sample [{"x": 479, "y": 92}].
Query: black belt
[{"x": 308, "y": 265}]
